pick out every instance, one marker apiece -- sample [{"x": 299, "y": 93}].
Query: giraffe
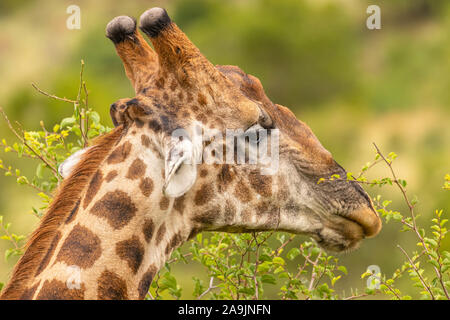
[{"x": 136, "y": 194}]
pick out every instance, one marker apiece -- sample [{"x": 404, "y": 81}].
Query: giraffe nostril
[{"x": 119, "y": 28}]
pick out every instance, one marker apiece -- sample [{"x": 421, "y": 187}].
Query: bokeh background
[{"x": 351, "y": 85}]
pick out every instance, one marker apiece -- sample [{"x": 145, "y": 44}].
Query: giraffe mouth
[
  {"x": 344, "y": 239},
  {"x": 339, "y": 234}
]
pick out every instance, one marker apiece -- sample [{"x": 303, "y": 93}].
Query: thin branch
[
  {"x": 51, "y": 95},
  {"x": 313, "y": 272},
  {"x": 413, "y": 217},
  {"x": 422, "y": 280},
  {"x": 211, "y": 287}
]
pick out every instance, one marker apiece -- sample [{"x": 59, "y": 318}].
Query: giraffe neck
[
  {"x": 119, "y": 264},
  {"x": 118, "y": 234}
]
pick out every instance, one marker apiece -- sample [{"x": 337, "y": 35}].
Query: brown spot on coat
[
  {"x": 164, "y": 203},
  {"x": 174, "y": 242},
  {"x": 207, "y": 217},
  {"x": 146, "y": 281},
  {"x": 93, "y": 188},
  {"x": 145, "y": 140},
  {"x": 229, "y": 212},
  {"x": 160, "y": 83},
  {"x": 178, "y": 204},
  {"x": 201, "y": 99},
  {"x": 242, "y": 192},
  {"x": 203, "y": 195},
  {"x": 111, "y": 175},
  {"x": 203, "y": 173},
  {"x": 137, "y": 169},
  {"x": 160, "y": 234},
  {"x": 58, "y": 290},
  {"x": 186, "y": 114},
  {"x": 201, "y": 117},
  {"x": 148, "y": 229},
  {"x": 146, "y": 186},
  {"x": 154, "y": 125},
  {"x": 29, "y": 292},
  {"x": 262, "y": 184},
  {"x": 116, "y": 207},
  {"x": 139, "y": 124},
  {"x": 132, "y": 251},
  {"x": 81, "y": 247},
  {"x": 48, "y": 254},
  {"x": 120, "y": 153},
  {"x": 266, "y": 207},
  {"x": 111, "y": 287},
  {"x": 246, "y": 215},
  {"x": 224, "y": 178}
]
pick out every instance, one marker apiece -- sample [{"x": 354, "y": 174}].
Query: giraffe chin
[{"x": 342, "y": 237}]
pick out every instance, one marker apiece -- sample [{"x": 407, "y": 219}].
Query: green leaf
[
  {"x": 247, "y": 290},
  {"x": 40, "y": 170},
  {"x": 267, "y": 278},
  {"x": 333, "y": 281},
  {"x": 22, "y": 180},
  {"x": 92, "y": 133},
  {"x": 343, "y": 269},
  {"x": 279, "y": 269},
  {"x": 294, "y": 252},
  {"x": 94, "y": 117},
  {"x": 67, "y": 122},
  {"x": 434, "y": 263},
  {"x": 278, "y": 260},
  {"x": 431, "y": 242},
  {"x": 8, "y": 253},
  {"x": 265, "y": 266}
]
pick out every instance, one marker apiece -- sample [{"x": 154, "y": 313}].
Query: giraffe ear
[
  {"x": 66, "y": 168},
  {"x": 180, "y": 168}
]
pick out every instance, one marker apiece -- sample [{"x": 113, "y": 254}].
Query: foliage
[{"x": 242, "y": 266}]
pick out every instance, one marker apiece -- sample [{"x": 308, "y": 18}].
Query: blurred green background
[{"x": 351, "y": 85}]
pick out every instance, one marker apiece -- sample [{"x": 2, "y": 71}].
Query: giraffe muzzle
[{"x": 368, "y": 219}]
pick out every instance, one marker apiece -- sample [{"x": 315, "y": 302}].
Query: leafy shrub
[{"x": 240, "y": 266}]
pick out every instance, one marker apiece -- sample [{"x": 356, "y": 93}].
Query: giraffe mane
[{"x": 66, "y": 197}]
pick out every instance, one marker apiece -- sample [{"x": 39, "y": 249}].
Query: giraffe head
[{"x": 183, "y": 110}]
